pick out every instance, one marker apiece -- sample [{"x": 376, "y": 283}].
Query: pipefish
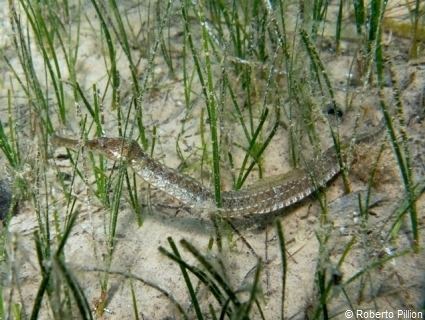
[{"x": 270, "y": 195}]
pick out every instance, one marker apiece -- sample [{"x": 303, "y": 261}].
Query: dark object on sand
[{"x": 5, "y": 198}]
